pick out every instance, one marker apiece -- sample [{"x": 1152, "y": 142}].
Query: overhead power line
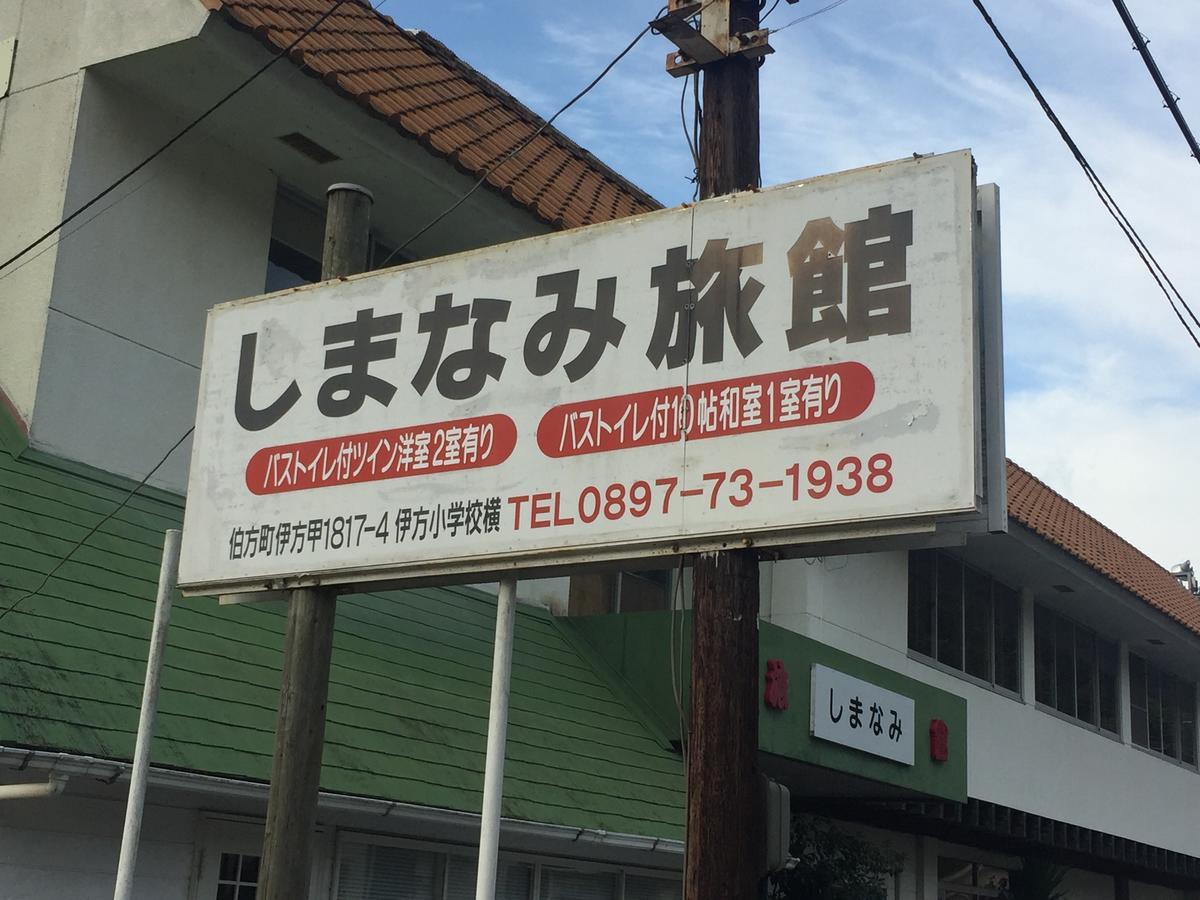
[
  {"x": 83, "y": 540},
  {"x": 811, "y": 15},
  {"x": 178, "y": 135},
  {"x": 1148, "y": 259},
  {"x": 525, "y": 143},
  {"x": 1140, "y": 44},
  {"x": 141, "y": 484}
]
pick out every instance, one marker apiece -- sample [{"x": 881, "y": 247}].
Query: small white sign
[{"x": 858, "y": 714}]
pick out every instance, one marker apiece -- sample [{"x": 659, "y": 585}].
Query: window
[
  {"x": 297, "y": 241},
  {"x": 959, "y": 879},
  {"x": 639, "y": 887},
  {"x": 598, "y": 593},
  {"x": 1075, "y": 671},
  {"x": 964, "y": 619},
  {"x": 1162, "y": 711},
  {"x": 572, "y": 884},
  {"x": 382, "y": 872},
  {"x": 395, "y": 870},
  {"x": 237, "y": 878},
  {"x": 514, "y": 881},
  {"x": 289, "y": 268}
]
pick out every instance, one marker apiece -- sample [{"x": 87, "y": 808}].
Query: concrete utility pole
[
  {"x": 300, "y": 729},
  {"x": 723, "y": 840}
]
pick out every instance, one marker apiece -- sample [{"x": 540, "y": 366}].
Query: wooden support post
[
  {"x": 724, "y": 818},
  {"x": 308, "y": 646},
  {"x": 729, "y": 148}
]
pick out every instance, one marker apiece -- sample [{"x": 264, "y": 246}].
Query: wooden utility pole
[
  {"x": 724, "y": 818},
  {"x": 308, "y": 646}
]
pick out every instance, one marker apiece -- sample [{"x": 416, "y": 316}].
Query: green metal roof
[{"x": 408, "y": 699}]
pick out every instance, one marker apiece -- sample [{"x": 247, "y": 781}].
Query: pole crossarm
[{"x": 698, "y": 48}]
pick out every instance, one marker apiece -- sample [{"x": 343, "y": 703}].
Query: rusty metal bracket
[{"x": 712, "y": 42}]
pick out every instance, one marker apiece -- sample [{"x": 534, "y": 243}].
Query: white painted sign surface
[
  {"x": 759, "y": 367},
  {"x": 858, "y": 714}
]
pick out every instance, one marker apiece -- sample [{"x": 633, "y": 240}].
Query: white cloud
[{"x": 1128, "y": 463}]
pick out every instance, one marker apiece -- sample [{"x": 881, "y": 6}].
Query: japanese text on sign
[
  {"x": 855, "y": 713},
  {"x": 602, "y": 391}
]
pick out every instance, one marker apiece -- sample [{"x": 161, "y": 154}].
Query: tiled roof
[
  {"x": 409, "y": 686},
  {"x": 426, "y": 92},
  {"x": 1055, "y": 519}
]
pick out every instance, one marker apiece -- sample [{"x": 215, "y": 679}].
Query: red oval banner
[
  {"x": 474, "y": 443},
  {"x": 833, "y": 393}
]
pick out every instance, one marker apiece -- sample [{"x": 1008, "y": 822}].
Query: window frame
[
  {"x": 1157, "y": 671},
  {"x": 537, "y": 861},
  {"x": 303, "y": 242},
  {"x": 931, "y": 659},
  {"x": 219, "y": 833},
  {"x": 1057, "y": 621}
]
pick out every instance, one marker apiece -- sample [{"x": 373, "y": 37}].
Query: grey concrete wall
[
  {"x": 126, "y": 322},
  {"x": 56, "y": 39}
]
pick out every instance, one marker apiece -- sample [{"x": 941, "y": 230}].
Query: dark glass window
[
  {"x": 1107, "y": 668},
  {"x": 1043, "y": 648},
  {"x": 1075, "y": 670},
  {"x": 297, "y": 242},
  {"x": 963, "y": 618},
  {"x": 1064, "y": 665},
  {"x": 237, "y": 878},
  {"x": 949, "y": 612},
  {"x": 289, "y": 268},
  {"x": 1007, "y": 636},
  {"x": 1187, "y": 722},
  {"x": 1162, "y": 711},
  {"x": 1085, "y": 675},
  {"x": 921, "y": 581},
  {"x": 977, "y": 623},
  {"x": 1139, "y": 713}
]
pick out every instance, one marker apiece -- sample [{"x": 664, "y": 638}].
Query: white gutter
[
  {"x": 111, "y": 771},
  {"x": 34, "y": 790}
]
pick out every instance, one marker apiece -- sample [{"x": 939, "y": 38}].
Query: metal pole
[
  {"x": 167, "y": 575},
  {"x": 493, "y": 774}
]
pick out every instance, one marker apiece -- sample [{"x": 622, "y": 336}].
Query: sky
[{"x": 1101, "y": 379}]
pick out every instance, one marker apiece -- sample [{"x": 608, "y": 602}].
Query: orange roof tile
[
  {"x": 1054, "y": 518},
  {"x": 426, "y": 92}
]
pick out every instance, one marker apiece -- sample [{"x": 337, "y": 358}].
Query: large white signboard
[
  {"x": 858, "y": 714},
  {"x": 757, "y": 368}
]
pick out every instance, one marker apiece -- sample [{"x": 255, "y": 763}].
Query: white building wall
[
  {"x": 66, "y": 848},
  {"x": 120, "y": 370},
  {"x": 1019, "y": 756}
]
